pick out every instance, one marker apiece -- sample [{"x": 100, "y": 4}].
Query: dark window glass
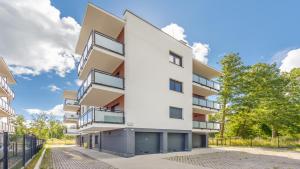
[
  {"x": 176, "y": 59},
  {"x": 96, "y": 139},
  {"x": 175, "y": 85},
  {"x": 175, "y": 112}
]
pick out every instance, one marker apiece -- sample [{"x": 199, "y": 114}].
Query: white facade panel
[{"x": 147, "y": 74}]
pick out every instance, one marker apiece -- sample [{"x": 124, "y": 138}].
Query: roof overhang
[
  {"x": 4, "y": 71},
  {"x": 100, "y": 20},
  {"x": 205, "y": 70}
]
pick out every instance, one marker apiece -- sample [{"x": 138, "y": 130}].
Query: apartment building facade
[
  {"x": 7, "y": 113},
  {"x": 142, "y": 91}
]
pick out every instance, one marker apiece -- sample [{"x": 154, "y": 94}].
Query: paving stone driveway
[
  {"x": 237, "y": 160},
  {"x": 68, "y": 158}
]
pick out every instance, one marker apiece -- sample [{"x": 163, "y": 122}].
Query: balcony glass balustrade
[
  {"x": 6, "y": 107},
  {"x": 71, "y": 102},
  {"x": 100, "y": 78},
  {"x": 4, "y": 85},
  {"x": 206, "y": 125},
  {"x": 101, "y": 115},
  {"x": 205, "y": 82},
  {"x": 71, "y": 117},
  {"x": 4, "y": 127},
  {"x": 206, "y": 103},
  {"x": 100, "y": 40}
]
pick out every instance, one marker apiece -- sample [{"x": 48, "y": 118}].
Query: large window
[
  {"x": 175, "y": 112},
  {"x": 175, "y": 59},
  {"x": 175, "y": 85}
]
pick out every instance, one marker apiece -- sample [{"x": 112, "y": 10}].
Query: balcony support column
[
  {"x": 188, "y": 141},
  {"x": 164, "y": 142}
]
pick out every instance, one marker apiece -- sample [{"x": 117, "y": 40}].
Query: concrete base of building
[{"x": 129, "y": 142}]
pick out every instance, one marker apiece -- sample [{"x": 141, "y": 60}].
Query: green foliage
[
  {"x": 44, "y": 126},
  {"x": 258, "y": 100},
  {"x": 20, "y": 124},
  {"x": 232, "y": 67}
]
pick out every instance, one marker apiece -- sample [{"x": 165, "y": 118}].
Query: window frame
[
  {"x": 174, "y": 57},
  {"x": 175, "y": 86},
  {"x": 176, "y": 115}
]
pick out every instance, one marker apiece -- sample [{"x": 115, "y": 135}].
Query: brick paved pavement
[
  {"x": 68, "y": 158},
  {"x": 237, "y": 160}
]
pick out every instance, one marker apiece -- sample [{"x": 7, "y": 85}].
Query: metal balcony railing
[
  {"x": 6, "y": 107},
  {"x": 100, "y": 40},
  {"x": 100, "y": 78},
  {"x": 101, "y": 115},
  {"x": 206, "y": 103},
  {"x": 206, "y": 125},
  {"x": 4, "y": 85},
  {"x": 205, "y": 82}
]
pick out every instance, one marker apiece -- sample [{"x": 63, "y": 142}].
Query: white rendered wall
[{"x": 147, "y": 74}]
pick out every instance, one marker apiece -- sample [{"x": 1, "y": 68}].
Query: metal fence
[
  {"x": 16, "y": 151},
  {"x": 279, "y": 142}
]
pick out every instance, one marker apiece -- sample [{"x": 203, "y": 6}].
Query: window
[
  {"x": 96, "y": 139},
  {"x": 176, "y": 59},
  {"x": 175, "y": 113},
  {"x": 175, "y": 85}
]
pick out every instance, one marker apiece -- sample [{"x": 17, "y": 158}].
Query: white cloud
[
  {"x": 78, "y": 82},
  {"x": 291, "y": 60},
  {"x": 56, "y": 110},
  {"x": 54, "y": 88},
  {"x": 200, "y": 50},
  {"x": 175, "y": 31},
  {"x": 36, "y": 38},
  {"x": 68, "y": 83}
]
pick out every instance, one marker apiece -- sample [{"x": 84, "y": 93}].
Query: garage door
[
  {"x": 146, "y": 143},
  {"x": 199, "y": 140},
  {"x": 176, "y": 142}
]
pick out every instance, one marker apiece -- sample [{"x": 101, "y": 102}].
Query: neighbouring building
[
  {"x": 142, "y": 91},
  {"x": 7, "y": 113}
]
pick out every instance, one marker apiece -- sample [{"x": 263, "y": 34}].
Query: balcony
[
  {"x": 72, "y": 130},
  {"x": 5, "y": 109},
  {"x": 5, "y": 90},
  {"x": 4, "y": 127},
  {"x": 96, "y": 119},
  {"x": 205, "y": 70},
  {"x": 71, "y": 118},
  {"x": 100, "y": 88},
  {"x": 71, "y": 105},
  {"x": 204, "y": 87},
  {"x": 204, "y": 125},
  {"x": 204, "y": 106},
  {"x": 100, "y": 52}
]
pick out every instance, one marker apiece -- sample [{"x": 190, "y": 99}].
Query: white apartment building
[
  {"x": 142, "y": 92},
  {"x": 7, "y": 113}
]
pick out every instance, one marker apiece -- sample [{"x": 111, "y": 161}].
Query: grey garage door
[
  {"x": 146, "y": 143},
  {"x": 175, "y": 142},
  {"x": 199, "y": 140}
]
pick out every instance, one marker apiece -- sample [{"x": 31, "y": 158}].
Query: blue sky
[{"x": 260, "y": 31}]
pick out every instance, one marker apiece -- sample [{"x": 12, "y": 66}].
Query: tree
[
  {"x": 20, "y": 125},
  {"x": 232, "y": 68},
  {"x": 39, "y": 126},
  {"x": 56, "y": 128}
]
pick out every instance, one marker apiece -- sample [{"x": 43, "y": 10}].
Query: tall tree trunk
[{"x": 223, "y": 119}]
